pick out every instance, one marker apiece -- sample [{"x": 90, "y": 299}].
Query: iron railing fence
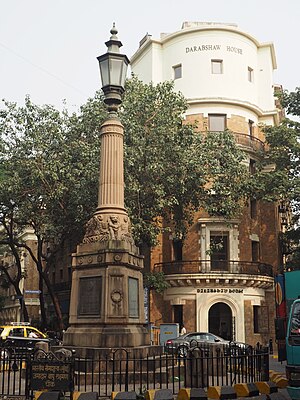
[
  {"x": 14, "y": 374},
  {"x": 211, "y": 266},
  {"x": 198, "y": 369},
  {"x": 120, "y": 371}
]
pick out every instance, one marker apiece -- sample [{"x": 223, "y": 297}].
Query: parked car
[
  {"x": 20, "y": 337},
  {"x": 180, "y": 345}
]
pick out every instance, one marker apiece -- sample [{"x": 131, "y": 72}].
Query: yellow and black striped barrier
[
  {"x": 85, "y": 396},
  {"x": 221, "y": 392},
  {"x": 266, "y": 387},
  {"x": 46, "y": 395},
  {"x": 279, "y": 379},
  {"x": 159, "y": 394},
  {"x": 246, "y": 389},
  {"x": 192, "y": 394},
  {"x": 124, "y": 395}
]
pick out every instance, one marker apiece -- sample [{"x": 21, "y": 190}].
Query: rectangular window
[
  {"x": 177, "y": 71},
  {"x": 250, "y": 127},
  {"x": 217, "y": 66},
  {"x": 250, "y": 74},
  {"x": 252, "y": 166},
  {"x": 255, "y": 319},
  {"x": 61, "y": 274},
  {"x": 216, "y": 122},
  {"x": 219, "y": 251},
  {"x": 255, "y": 251},
  {"x": 177, "y": 249}
]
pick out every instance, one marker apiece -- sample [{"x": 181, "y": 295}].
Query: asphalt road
[{"x": 276, "y": 365}]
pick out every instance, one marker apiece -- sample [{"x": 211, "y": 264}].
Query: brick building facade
[{"x": 226, "y": 77}]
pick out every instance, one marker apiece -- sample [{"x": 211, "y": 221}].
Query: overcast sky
[{"x": 48, "y": 48}]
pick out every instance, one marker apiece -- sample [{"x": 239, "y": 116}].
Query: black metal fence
[{"x": 118, "y": 371}]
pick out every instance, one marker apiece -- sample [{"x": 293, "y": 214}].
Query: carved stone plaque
[
  {"x": 133, "y": 297},
  {"x": 90, "y": 289}
]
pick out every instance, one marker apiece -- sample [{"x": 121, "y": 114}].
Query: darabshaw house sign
[{"x": 212, "y": 47}]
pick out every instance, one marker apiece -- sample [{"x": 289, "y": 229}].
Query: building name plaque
[
  {"x": 213, "y": 47},
  {"x": 220, "y": 290},
  {"x": 51, "y": 375}
]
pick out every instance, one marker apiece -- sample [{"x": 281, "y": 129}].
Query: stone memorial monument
[{"x": 107, "y": 296}]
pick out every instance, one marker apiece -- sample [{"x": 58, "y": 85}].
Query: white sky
[{"x": 48, "y": 48}]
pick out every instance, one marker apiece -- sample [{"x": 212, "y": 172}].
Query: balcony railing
[
  {"x": 249, "y": 141},
  {"x": 218, "y": 267}
]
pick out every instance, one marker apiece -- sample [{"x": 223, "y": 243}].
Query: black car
[{"x": 180, "y": 345}]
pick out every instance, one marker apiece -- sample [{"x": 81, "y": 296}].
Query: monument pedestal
[{"x": 107, "y": 308}]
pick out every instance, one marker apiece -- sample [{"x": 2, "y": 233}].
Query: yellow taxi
[
  {"x": 19, "y": 337},
  {"x": 20, "y": 330}
]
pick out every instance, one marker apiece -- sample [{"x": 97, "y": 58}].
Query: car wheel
[{"x": 182, "y": 351}]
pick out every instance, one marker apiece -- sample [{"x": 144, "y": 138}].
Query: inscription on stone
[
  {"x": 133, "y": 297},
  {"x": 90, "y": 289}
]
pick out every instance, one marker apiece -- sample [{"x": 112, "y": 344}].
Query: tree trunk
[
  {"x": 42, "y": 304},
  {"x": 45, "y": 278}
]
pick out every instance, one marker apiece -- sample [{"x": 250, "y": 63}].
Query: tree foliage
[
  {"x": 282, "y": 183},
  {"x": 171, "y": 170},
  {"x": 49, "y": 166},
  {"x": 156, "y": 281}
]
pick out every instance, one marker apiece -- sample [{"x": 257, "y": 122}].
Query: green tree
[
  {"x": 281, "y": 182},
  {"x": 50, "y": 165},
  {"x": 171, "y": 170}
]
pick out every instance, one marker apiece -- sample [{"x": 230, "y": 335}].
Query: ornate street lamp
[{"x": 113, "y": 70}]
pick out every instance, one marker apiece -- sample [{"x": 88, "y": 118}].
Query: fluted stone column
[{"x": 111, "y": 185}]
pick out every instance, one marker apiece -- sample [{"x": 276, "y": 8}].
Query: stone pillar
[
  {"x": 111, "y": 183},
  {"x": 106, "y": 307}
]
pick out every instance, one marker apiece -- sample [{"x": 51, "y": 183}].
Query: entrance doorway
[{"x": 220, "y": 321}]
